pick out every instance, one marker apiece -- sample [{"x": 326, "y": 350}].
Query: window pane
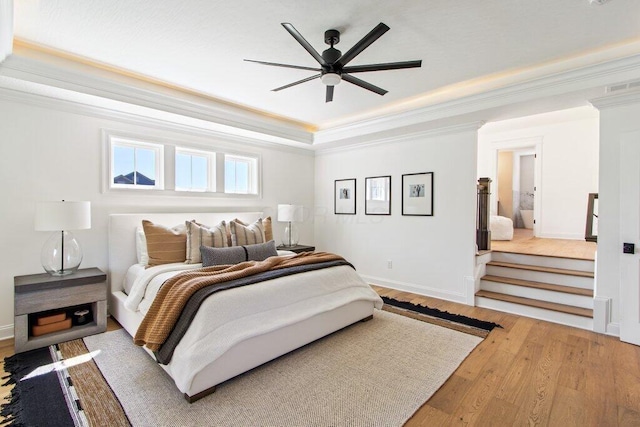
[
  {"x": 229, "y": 176},
  {"x": 145, "y": 166},
  {"x": 199, "y": 178},
  {"x": 183, "y": 171},
  {"x": 123, "y": 165},
  {"x": 242, "y": 177}
]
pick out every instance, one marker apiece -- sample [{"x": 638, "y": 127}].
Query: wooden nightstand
[
  {"x": 297, "y": 248},
  {"x": 39, "y": 294}
]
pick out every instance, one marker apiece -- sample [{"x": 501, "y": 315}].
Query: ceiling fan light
[{"x": 331, "y": 79}]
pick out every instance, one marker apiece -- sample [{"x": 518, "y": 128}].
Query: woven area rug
[{"x": 373, "y": 373}]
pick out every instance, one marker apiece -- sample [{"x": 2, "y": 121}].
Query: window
[
  {"x": 136, "y": 164},
  {"x": 195, "y": 170},
  {"x": 240, "y": 174},
  {"x": 177, "y": 168}
]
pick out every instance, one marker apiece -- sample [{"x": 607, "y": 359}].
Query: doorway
[{"x": 517, "y": 190}]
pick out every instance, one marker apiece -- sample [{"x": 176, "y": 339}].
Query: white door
[{"x": 630, "y": 233}]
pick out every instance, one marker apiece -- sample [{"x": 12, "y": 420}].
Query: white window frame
[
  {"x": 166, "y": 149},
  {"x": 211, "y": 169},
  {"x": 116, "y": 141},
  {"x": 253, "y": 178}
]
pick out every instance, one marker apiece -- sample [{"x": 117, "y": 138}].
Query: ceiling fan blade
[
  {"x": 329, "y": 94},
  {"x": 299, "y": 67},
  {"x": 373, "y": 35},
  {"x": 296, "y": 83},
  {"x": 356, "y": 81},
  {"x": 305, "y": 44},
  {"x": 382, "y": 67}
]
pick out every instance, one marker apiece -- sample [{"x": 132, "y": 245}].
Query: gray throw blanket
[{"x": 165, "y": 353}]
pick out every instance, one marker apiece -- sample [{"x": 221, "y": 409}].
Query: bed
[{"x": 305, "y": 307}]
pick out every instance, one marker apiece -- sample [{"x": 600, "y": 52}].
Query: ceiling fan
[{"x": 333, "y": 64}]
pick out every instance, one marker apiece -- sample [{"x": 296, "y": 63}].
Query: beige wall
[{"x": 505, "y": 184}]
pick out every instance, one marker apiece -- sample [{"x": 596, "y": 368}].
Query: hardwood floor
[
  {"x": 523, "y": 242},
  {"x": 531, "y": 372}
]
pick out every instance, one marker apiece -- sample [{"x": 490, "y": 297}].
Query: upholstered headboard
[{"x": 122, "y": 236}]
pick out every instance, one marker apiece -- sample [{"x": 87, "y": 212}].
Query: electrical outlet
[{"x": 389, "y": 264}]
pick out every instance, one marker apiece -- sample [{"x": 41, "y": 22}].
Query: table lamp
[
  {"x": 290, "y": 214},
  {"x": 61, "y": 253}
]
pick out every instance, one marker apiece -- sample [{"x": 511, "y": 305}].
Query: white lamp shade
[
  {"x": 290, "y": 213},
  {"x": 57, "y": 216}
]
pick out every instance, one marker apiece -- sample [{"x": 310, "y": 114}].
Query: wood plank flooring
[
  {"x": 534, "y": 373},
  {"x": 531, "y": 373},
  {"x": 523, "y": 242}
]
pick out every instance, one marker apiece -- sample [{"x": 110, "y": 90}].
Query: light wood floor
[
  {"x": 523, "y": 242},
  {"x": 531, "y": 373}
]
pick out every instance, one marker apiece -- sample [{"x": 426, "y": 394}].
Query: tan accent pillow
[
  {"x": 165, "y": 245},
  {"x": 204, "y": 235},
  {"x": 247, "y": 234},
  {"x": 266, "y": 226}
]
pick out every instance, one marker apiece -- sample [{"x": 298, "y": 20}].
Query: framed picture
[
  {"x": 417, "y": 194},
  {"x": 344, "y": 197},
  {"x": 377, "y": 199}
]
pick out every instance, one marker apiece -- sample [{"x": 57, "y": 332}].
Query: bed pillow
[
  {"x": 141, "y": 247},
  {"x": 165, "y": 245},
  {"x": 237, "y": 254},
  {"x": 247, "y": 234},
  {"x": 266, "y": 226},
  {"x": 203, "y": 235}
]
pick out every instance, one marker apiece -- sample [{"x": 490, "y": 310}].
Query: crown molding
[
  {"x": 618, "y": 100},
  {"x": 85, "y": 79},
  {"x": 472, "y": 126},
  {"x": 162, "y": 124},
  {"x": 6, "y": 29},
  {"x": 583, "y": 78}
]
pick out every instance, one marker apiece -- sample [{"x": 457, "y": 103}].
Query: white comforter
[{"x": 230, "y": 317}]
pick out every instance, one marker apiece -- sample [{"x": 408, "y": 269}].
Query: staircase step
[
  {"x": 544, "y": 261},
  {"x": 583, "y": 312},
  {"x": 540, "y": 285},
  {"x": 542, "y": 269}
]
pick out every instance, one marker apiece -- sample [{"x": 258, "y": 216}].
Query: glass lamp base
[
  {"x": 61, "y": 254},
  {"x": 290, "y": 236}
]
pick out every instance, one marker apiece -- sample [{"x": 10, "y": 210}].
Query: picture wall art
[
  {"x": 417, "y": 194},
  {"x": 377, "y": 195},
  {"x": 344, "y": 196}
]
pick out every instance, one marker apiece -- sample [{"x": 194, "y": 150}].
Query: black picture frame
[
  {"x": 417, "y": 194},
  {"x": 344, "y": 196},
  {"x": 377, "y": 195}
]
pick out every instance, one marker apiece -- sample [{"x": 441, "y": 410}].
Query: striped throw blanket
[{"x": 176, "y": 291}]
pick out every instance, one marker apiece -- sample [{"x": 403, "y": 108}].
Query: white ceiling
[{"x": 200, "y": 44}]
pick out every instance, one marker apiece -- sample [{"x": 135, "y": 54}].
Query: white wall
[
  {"x": 616, "y": 120},
  {"x": 569, "y": 164},
  {"x": 430, "y": 255},
  {"x": 49, "y": 154}
]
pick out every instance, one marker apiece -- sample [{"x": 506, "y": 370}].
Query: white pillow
[{"x": 141, "y": 247}]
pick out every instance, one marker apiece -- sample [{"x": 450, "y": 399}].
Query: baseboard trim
[
  {"x": 6, "y": 332},
  {"x": 415, "y": 289},
  {"x": 613, "y": 329}
]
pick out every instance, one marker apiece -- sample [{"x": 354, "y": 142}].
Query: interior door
[{"x": 630, "y": 233}]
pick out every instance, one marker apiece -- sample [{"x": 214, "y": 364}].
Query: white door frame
[
  {"x": 630, "y": 233},
  {"x": 518, "y": 144}
]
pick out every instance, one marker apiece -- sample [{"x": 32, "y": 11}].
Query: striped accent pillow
[
  {"x": 165, "y": 245},
  {"x": 247, "y": 234},
  {"x": 266, "y": 226},
  {"x": 203, "y": 235}
]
